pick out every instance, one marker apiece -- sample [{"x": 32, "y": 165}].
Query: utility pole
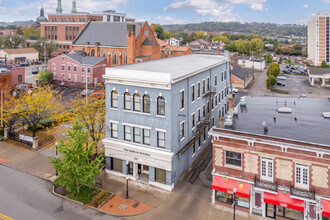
[
  {"x": 86, "y": 86},
  {"x": 1, "y": 108}
]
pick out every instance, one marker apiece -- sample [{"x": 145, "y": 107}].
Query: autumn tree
[
  {"x": 32, "y": 106},
  {"x": 273, "y": 69},
  {"x": 75, "y": 168},
  {"x": 256, "y": 46},
  {"x": 200, "y": 34},
  {"x": 50, "y": 48},
  {"x": 19, "y": 30},
  {"x": 31, "y": 33},
  {"x": 221, "y": 38}
]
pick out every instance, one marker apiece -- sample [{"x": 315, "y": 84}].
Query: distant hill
[
  {"x": 17, "y": 23},
  {"x": 264, "y": 29}
]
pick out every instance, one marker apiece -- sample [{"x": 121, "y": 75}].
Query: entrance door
[
  {"x": 270, "y": 210},
  {"x": 312, "y": 211},
  {"x": 130, "y": 168},
  {"x": 139, "y": 168}
]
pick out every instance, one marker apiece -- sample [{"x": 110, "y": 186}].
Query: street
[
  {"x": 28, "y": 197},
  {"x": 29, "y": 77}
]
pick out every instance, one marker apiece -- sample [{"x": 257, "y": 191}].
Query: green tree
[
  {"x": 200, "y": 35},
  {"x": 75, "y": 168},
  {"x": 31, "y": 33},
  {"x": 39, "y": 45},
  {"x": 324, "y": 64},
  {"x": 243, "y": 47},
  {"x": 159, "y": 31},
  {"x": 281, "y": 60},
  {"x": 167, "y": 35},
  {"x": 221, "y": 38},
  {"x": 256, "y": 45},
  {"x": 19, "y": 30},
  {"x": 273, "y": 69},
  {"x": 270, "y": 81},
  {"x": 45, "y": 76},
  {"x": 268, "y": 58},
  {"x": 50, "y": 48}
]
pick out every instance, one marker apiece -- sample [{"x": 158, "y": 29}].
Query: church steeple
[
  {"x": 74, "y": 9},
  {"x": 42, "y": 12},
  {"x": 59, "y": 9}
]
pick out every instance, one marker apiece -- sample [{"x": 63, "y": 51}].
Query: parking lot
[{"x": 29, "y": 77}]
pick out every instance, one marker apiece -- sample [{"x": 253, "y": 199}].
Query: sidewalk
[{"x": 187, "y": 201}]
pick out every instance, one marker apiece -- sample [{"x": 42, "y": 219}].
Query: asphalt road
[
  {"x": 29, "y": 77},
  {"x": 25, "y": 197}
]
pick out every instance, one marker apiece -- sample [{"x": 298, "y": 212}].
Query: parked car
[
  {"x": 280, "y": 84},
  {"x": 25, "y": 64},
  {"x": 98, "y": 95},
  {"x": 281, "y": 77},
  {"x": 35, "y": 70},
  {"x": 285, "y": 71},
  {"x": 84, "y": 92}
]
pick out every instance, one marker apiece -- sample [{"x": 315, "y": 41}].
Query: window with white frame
[
  {"x": 136, "y": 102},
  {"x": 182, "y": 99},
  {"x": 225, "y": 74},
  {"x": 127, "y": 101},
  {"x": 88, "y": 70},
  {"x": 75, "y": 68},
  {"x": 194, "y": 149},
  {"x": 146, "y": 136},
  {"x": 83, "y": 69},
  {"x": 302, "y": 176},
  {"x": 160, "y": 105},
  {"x": 127, "y": 133},
  {"x": 216, "y": 80},
  {"x": 219, "y": 97},
  {"x": 204, "y": 113},
  {"x": 146, "y": 103},
  {"x": 233, "y": 158},
  {"x": 193, "y": 120},
  {"x": 114, "y": 130},
  {"x": 69, "y": 77},
  {"x": 216, "y": 100},
  {"x": 136, "y": 135},
  {"x": 198, "y": 89},
  {"x": 182, "y": 130},
  {"x": 161, "y": 139},
  {"x": 208, "y": 84},
  {"x": 114, "y": 99},
  {"x": 203, "y": 86},
  {"x": 54, "y": 66},
  {"x": 266, "y": 172},
  {"x": 193, "y": 93},
  {"x": 69, "y": 68},
  {"x": 54, "y": 75},
  {"x": 198, "y": 115},
  {"x": 221, "y": 76},
  {"x": 63, "y": 58},
  {"x": 74, "y": 78},
  {"x": 63, "y": 67},
  {"x": 88, "y": 79}
]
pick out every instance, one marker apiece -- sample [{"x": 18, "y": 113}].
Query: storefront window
[
  {"x": 117, "y": 165},
  {"x": 160, "y": 175},
  {"x": 293, "y": 214},
  {"x": 283, "y": 212},
  {"x": 227, "y": 198}
]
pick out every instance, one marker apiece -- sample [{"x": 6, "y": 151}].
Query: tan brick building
[{"x": 274, "y": 177}]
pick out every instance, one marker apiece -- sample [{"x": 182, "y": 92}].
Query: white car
[
  {"x": 234, "y": 90},
  {"x": 281, "y": 77},
  {"x": 84, "y": 92}
]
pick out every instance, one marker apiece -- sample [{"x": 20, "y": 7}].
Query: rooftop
[
  {"x": 318, "y": 71},
  {"x": 310, "y": 126},
  {"x": 20, "y": 50},
  {"x": 173, "y": 69},
  {"x": 85, "y": 59},
  {"x": 240, "y": 72}
]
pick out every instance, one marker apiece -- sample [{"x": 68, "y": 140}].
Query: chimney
[
  {"x": 230, "y": 104},
  {"x": 222, "y": 122},
  {"x": 153, "y": 27},
  {"x": 218, "y": 50}
]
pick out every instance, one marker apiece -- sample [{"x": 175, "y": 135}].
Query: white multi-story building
[{"x": 318, "y": 38}]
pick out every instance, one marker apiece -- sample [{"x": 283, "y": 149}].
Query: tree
[
  {"x": 270, "y": 81},
  {"x": 167, "y": 35},
  {"x": 221, "y": 38},
  {"x": 243, "y": 47},
  {"x": 269, "y": 58},
  {"x": 273, "y": 69},
  {"x": 256, "y": 45},
  {"x": 32, "y": 106},
  {"x": 31, "y": 33},
  {"x": 159, "y": 31},
  {"x": 281, "y": 60},
  {"x": 39, "y": 45},
  {"x": 17, "y": 41},
  {"x": 324, "y": 64},
  {"x": 19, "y": 30},
  {"x": 75, "y": 168},
  {"x": 45, "y": 76},
  {"x": 50, "y": 48},
  {"x": 200, "y": 35}
]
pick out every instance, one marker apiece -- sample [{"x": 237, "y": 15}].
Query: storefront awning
[
  {"x": 284, "y": 200},
  {"x": 326, "y": 208},
  {"x": 227, "y": 185}
]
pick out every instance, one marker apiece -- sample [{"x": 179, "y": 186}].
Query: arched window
[
  {"x": 93, "y": 53},
  {"x": 127, "y": 101},
  {"x": 137, "y": 102},
  {"x": 160, "y": 106},
  {"x": 114, "y": 57},
  {"x": 146, "y": 103},
  {"x": 104, "y": 53},
  {"x": 114, "y": 99},
  {"x": 125, "y": 58}
]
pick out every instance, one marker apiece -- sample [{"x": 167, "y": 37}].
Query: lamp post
[
  {"x": 127, "y": 163},
  {"x": 56, "y": 155},
  {"x": 45, "y": 60},
  {"x": 1, "y": 108},
  {"x": 234, "y": 190}
]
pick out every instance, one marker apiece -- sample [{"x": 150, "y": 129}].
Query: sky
[{"x": 178, "y": 11}]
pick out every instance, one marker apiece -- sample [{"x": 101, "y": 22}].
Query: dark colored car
[
  {"x": 280, "y": 84},
  {"x": 285, "y": 71},
  {"x": 35, "y": 70},
  {"x": 25, "y": 64}
]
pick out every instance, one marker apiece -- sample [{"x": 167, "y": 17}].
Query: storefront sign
[
  {"x": 137, "y": 152},
  {"x": 26, "y": 138}
]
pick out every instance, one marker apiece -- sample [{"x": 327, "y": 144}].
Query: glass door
[{"x": 270, "y": 210}]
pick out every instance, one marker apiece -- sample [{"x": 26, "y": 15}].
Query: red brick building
[
  {"x": 274, "y": 177},
  {"x": 172, "y": 51},
  {"x": 11, "y": 76},
  {"x": 73, "y": 69},
  {"x": 121, "y": 43}
]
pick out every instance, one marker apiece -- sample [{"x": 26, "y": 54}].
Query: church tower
[
  {"x": 74, "y": 9},
  {"x": 59, "y": 9}
]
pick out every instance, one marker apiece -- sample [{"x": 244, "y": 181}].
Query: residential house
[
  {"x": 158, "y": 114},
  {"x": 240, "y": 77},
  {"x": 11, "y": 76},
  {"x": 11, "y": 56},
  {"x": 77, "y": 69},
  {"x": 176, "y": 42}
]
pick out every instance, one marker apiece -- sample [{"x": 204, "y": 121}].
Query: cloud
[
  {"x": 257, "y": 6},
  {"x": 302, "y": 21},
  {"x": 305, "y": 6},
  {"x": 213, "y": 8},
  {"x": 327, "y": 1},
  {"x": 169, "y": 20}
]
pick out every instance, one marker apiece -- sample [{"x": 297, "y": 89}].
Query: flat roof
[
  {"x": 310, "y": 125},
  {"x": 177, "y": 68}
]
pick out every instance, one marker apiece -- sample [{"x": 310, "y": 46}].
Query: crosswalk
[{"x": 4, "y": 217}]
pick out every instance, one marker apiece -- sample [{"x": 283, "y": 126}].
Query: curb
[{"x": 46, "y": 145}]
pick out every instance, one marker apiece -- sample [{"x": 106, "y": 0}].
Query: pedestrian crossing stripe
[{"x": 5, "y": 217}]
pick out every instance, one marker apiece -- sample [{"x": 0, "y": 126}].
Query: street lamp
[
  {"x": 44, "y": 44},
  {"x": 234, "y": 190},
  {"x": 56, "y": 154},
  {"x": 127, "y": 163}
]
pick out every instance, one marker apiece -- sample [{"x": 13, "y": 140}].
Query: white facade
[
  {"x": 174, "y": 42},
  {"x": 29, "y": 56},
  {"x": 250, "y": 64}
]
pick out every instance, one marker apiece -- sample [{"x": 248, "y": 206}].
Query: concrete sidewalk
[{"x": 187, "y": 201}]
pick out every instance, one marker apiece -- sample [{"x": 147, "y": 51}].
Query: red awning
[
  {"x": 284, "y": 200},
  {"x": 228, "y": 185},
  {"x": 326, "y": 208}
]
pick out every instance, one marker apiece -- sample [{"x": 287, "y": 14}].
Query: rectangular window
[
  {"x": 266, "y": 169},
  {"x": 204, "y": 113},
  {"x": 75, "y": 68},
  {"x": 203, "y": 86},
  {"x": 302, "y": 176},
  {"x": 199, "y": 143},
  {"x": 233, "y": 158},
  {"x": 88, "y": 70},
  {"x": 146, "y": 136},
  {"x": 193, "y": 93},
  {"x": 127, "y": 133},
  {"x": 114, "y": 130},
  {"x": 182, "y": 130},
  {"x": 208, "y": 84},
  {"x": 221, "y": 76},
  {"x": 82, "y": 69},
  {"x": 228, "y": 198},
  {"x": 19, "y": 78},
  {"x": 69, "y": 77},
  {"x": 198, "y": 115},
  {"x": 193, "y": 149},
  {"x": 225, "y": 75},
  {"x": 161, "y": 139},
  {"x": 69, "y": 68},
  {"x": 74, "y": 78},
  {"x": 88, "y": 79},
  {"x": 215, "y": 80},
  {"x": 54, "y": 66},
  {"x": 137, "y": 135},
  {"x": 193, "y": 120},
  {"x": 182, "y": 99},
  {"x": 219, "y": 97},
  {"x": 198, "y": 89},
  {"x": 117, "y": 165},
  {"x": 63, "y": 67},
  {"x": 160, "y": 176},
  {"x": 215, "y": 100},
  {"x": 82, "y": 79}
]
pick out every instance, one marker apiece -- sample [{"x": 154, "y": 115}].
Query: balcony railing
[
  {"x": 303, "y": 193},
  {"x": 209, "y": 93},
  {"x": 265, "y": 185}
]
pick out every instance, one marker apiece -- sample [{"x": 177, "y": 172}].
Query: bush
[
  {"x": 273, "y": 69},
  {"x": 85, "y": 196},
  {"x": 270, "y": 81},
  {"x": 99, "y": 198},
  {"x": 46, "y": 122}
]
